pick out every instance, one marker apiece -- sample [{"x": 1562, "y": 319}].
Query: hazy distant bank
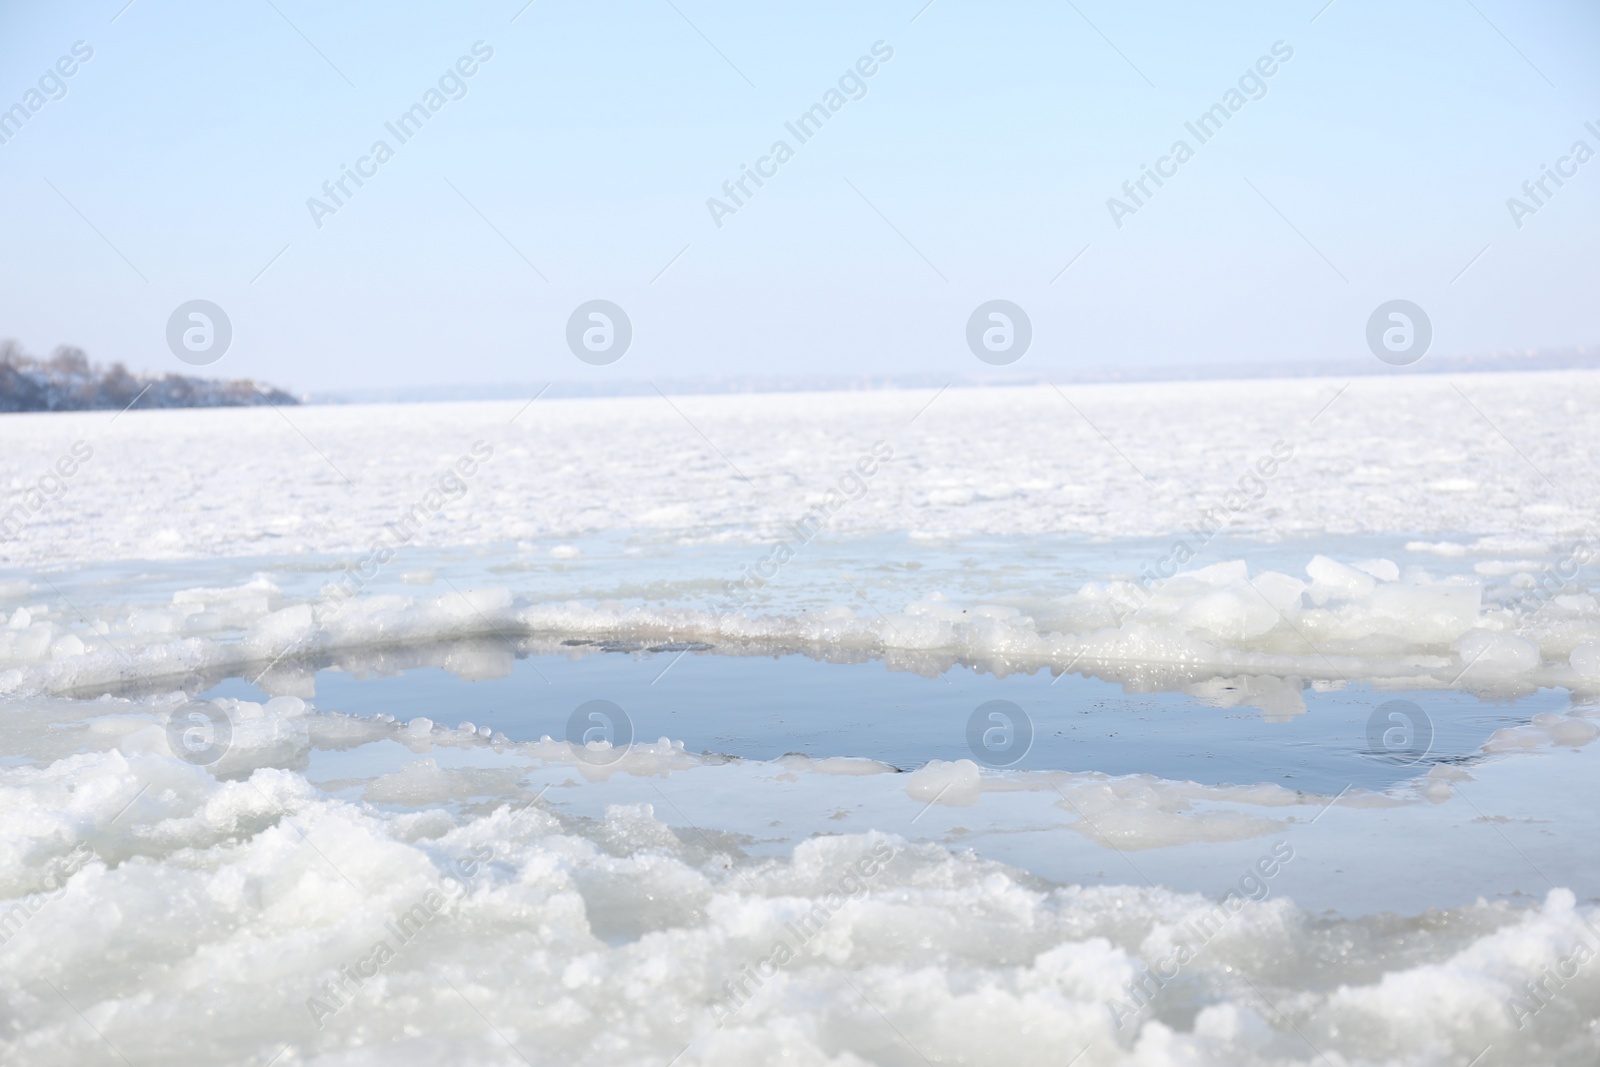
[
  {"x": 67, "y": 381},
  {"x": 1560, "y": 359}
]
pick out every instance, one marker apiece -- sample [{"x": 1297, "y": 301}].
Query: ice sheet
[
  {"x": 1231, "y": 543},
  {"x": 1416, "y": 455}
]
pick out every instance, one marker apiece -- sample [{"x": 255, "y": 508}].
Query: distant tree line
[{"x": 67, "y": 381}]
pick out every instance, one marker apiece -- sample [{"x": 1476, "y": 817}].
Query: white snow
[
  {"x": 209, "y": 915},
  {"x": 1008, "y": 461}
]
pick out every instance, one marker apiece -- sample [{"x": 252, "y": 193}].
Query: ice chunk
[
  {"x": 1585, "y": 659},
  {"x": 939, "y": 782},
  {"x": 1385, "y": 570},
  {"x": 1332, "y": 580},
  {"x": 1497, "y": 653}
]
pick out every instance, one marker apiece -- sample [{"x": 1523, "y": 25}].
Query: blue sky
[{"x": 978, "y": 163}]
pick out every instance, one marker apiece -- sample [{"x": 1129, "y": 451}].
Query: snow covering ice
[
  {"x": 1405, "y": 455},
  {"x": 340, "y": 889}
]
